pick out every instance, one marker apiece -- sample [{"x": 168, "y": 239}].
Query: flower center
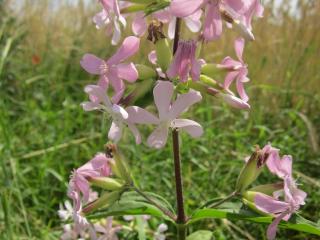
[{"x": 104, "y": 68}]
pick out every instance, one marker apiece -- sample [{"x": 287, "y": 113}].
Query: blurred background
[{"x": 44, "y": 133}]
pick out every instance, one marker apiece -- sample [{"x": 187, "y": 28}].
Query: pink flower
[
  {"x": 184, "y": 62},
  {"x": 237, "y": 70},
  {"x": 139, "y": 24},
  {"x": 100, "y": 101},
  {"x": 112, "y": 71},
  {"x": 238, "y": 12},
  {"x": 168, "y": 113},
  {"x": 107, "y": 231},
  {"x": 110, "y": 16},
  {"x": 79, "y": 187},
  {"x": 282, "y": 210},
  {"x": 291, "y": 196}
]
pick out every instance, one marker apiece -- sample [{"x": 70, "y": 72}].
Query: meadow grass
[{"x": 45, "y": 134}]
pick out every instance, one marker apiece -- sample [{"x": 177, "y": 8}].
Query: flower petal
[
  {"x": 183, "y": 102},
  {"x": 213, "y": 23},
  {"x": 158, "y": 137},
  {"x": 141, "y": 116},
  {"x": 135, "y": 132},
  {"x": 118, "y": 110},
  {"x": 139, "y": 24},
  {"x": 239, "y": 46},
  {"x": 268, "y": 204},
  {"x": 99, "y": 94},
  {"x": 189, "y": 7},
  {"x": 229, "y": 79},
  {"x": 115, "y": 131},
  {"x": 162, "y": 94},
  {"x": 127, "y": 71},
  {"x": 272, "y": 229},
  {"x": 152, "y": 56},
  {"x": 91, "y": 63},
  {"x": 129, "y": 47},
  {"x": 241, "y": 91},
  {"x": 193, "y": 128}
]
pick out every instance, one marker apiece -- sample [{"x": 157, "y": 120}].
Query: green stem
[
  {"x": 162, "y": 209},
  {"x": 233, "y": 194}
]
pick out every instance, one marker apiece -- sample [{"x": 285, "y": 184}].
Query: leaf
[
  {"x": 200, "y": 235},
  {"x": 296, "y": 222},
  {"x": 133, "y": 204}
]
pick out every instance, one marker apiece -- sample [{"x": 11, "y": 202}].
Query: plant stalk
[
  {"x": 181, "y": 217},
  {"x": 165, "y": 211},
  {"x": 233, "y": 194}
]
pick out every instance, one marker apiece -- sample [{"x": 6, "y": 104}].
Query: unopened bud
[
  {"x": 145, "y": 72},
  {"x": 106, "y": 200},
  {"x": 133, "y": 8},
  {"x": 251, "y": 170},
  {"x": 106, "y": 183},
  {"x": 210, "y": 82},
  {"x": 163, "y": 50},
  {"x": 209, "y": 69},
  {"x": 119, "y": 162},
  {"x": 233, "y": 101}
]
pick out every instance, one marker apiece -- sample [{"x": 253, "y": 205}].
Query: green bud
[
  {"x": 145, "y": 72},
  {"x": 267, "y": 189},
  {"x": 105, "y": 200},
  {"x": 210, "y": 82},
  {"x": 202, "y": 88},
  {"x": 106, "y": 183},
  {"x": 250, "y": 171},
  {"x": 139, "y": 1},
  {"x": 209, "y": 69},
  {"x": 164, "y": 54},
  {"x": 133, "y": 8},
  {"x": 120, "y": 163}
]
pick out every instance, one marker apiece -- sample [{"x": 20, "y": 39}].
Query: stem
[
  {"x": 233, "y": 194},
  {"x": 181, "y": 218},
  {"x": 176, "y": 35},
  {"x": 162, "y": 209}
]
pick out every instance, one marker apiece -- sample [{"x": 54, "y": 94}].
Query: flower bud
[
  {"x": 106, "y": 183},
  {"x": 233, "y": 101},
  {"x": 121, "y": 167},
  {"x": 164, "y": 54},
  {"x": 106, "y": 200},
  {"x": 210, "y": 82},
  {"x": 163, "y": 50},
  {"x": 209, "y": 69},
  {"x": 133, "y": 8},
  {"x": 251, "y": 170},
  {"x": 145, "y": 72}
]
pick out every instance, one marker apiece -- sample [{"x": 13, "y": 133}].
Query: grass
[{"x": 45, "y": 134}]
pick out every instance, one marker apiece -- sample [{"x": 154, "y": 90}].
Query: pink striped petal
[
  {"x": 268, "y": 204},
  {"x": 241, "y": 91},
  {"x": 229, "y": 79}
]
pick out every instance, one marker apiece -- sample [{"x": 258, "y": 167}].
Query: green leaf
[
  {"x": 131, "y": 203},
  {"x": 200, "y": 235},
  {"x": 296, "y": 222}
]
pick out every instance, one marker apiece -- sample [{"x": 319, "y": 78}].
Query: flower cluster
[{"x": 179, "y": 79}]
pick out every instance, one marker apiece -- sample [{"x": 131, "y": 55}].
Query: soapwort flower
[
  {"x": 168, "y": 113},
  {"x": 113, "y": 71}
]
